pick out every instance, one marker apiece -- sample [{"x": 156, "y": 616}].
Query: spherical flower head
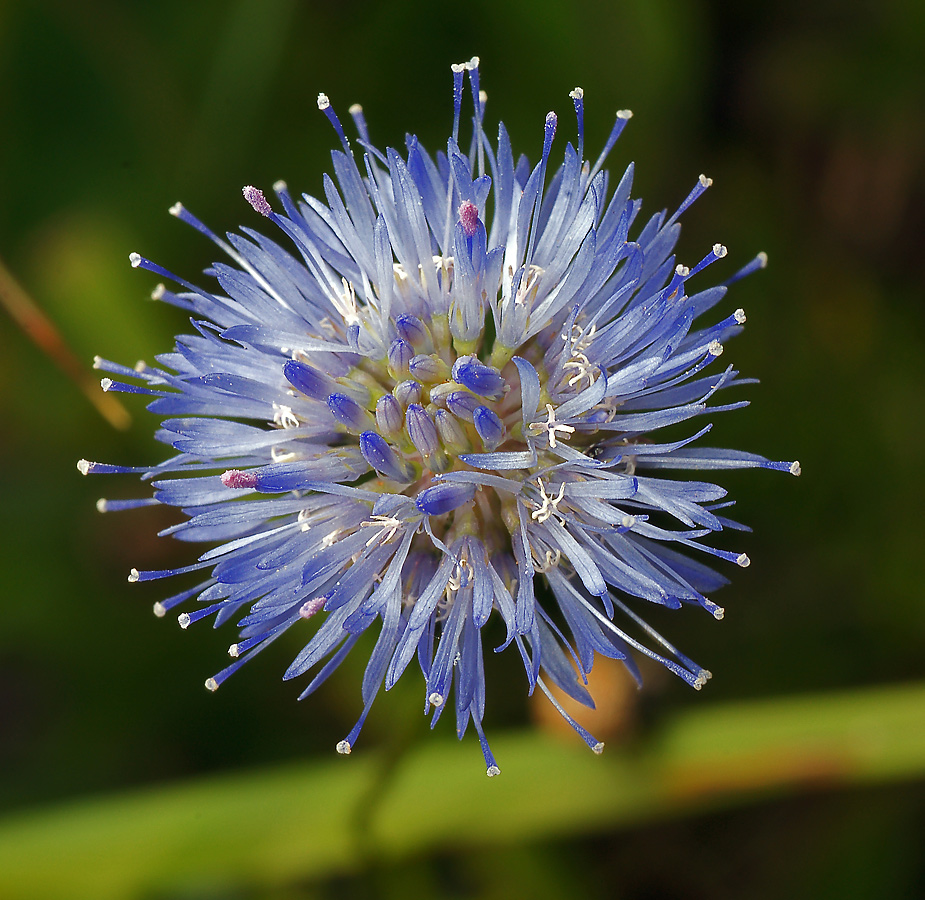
[{"x": 433, "y": 402}]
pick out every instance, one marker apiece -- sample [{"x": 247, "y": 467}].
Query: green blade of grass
[{"x": 272, "y": 827}]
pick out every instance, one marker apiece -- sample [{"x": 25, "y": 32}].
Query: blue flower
[{"x": 437, "y": 402}]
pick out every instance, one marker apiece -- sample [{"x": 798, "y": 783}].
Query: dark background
[{"x": 809, "y": 117}]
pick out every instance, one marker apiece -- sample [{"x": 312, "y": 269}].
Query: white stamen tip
[
  {"x": 140, "y": 366},
  {"x": 97, "y": 362},
  {"x": 577, "y": 94},
  {"x": 706, "y": 182},
  {"x": 355, "y": 109},
  {"x": 101, "y": 505},
  {"x": 795, "y": 467},
  {"x": 83, "y": 466},
  {"x": 719, "y": 251},
  {"x": 458, "y": 67},
  {"x": 183, "y": 619},
  {"x": 159, "y": 609},
  {"x": 133, "y": 576},
  {"x": 279, "y": 185},
  {"x": 233, "y": 651},
  {"x": 598, "y": 748},
  {"x": 323, "y": 101},
  {"x": 492, "y": 771},
  {"x": 176, "y": 209},
  {"x": 158, "y": 292},
  {"x": 473, "y": 63},
  {"x": 628, "y": 521},
  {"x": 715, "y": 348},
  {"x": 483, "y": 97},
  {"x": 134, "y": 259},
  {"x": 344, "y": 748},
  {"x": 624, "y": 114},
  {"x": 105, "y": 384},
  {"x": 435, "y": 699},
  {"x": 743, "y": 561},
  {"x": 762, "y": 259},
  {"x": 682, "y": 271},
  {"x": 739, "y": 316},
  {"x": 718, "y": 613},
  {"x": 211, "y": 685}
]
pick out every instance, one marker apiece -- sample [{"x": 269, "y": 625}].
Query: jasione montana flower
[{"x": 437, "y": 402}]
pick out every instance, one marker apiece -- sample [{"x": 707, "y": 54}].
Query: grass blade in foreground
[{"x": 274, "y": 826}]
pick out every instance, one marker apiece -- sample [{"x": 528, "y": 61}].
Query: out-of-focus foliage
[{"x": 808, "y": 115}]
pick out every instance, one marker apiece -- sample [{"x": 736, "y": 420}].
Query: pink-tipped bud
[
  {"x": 255, "y": 197},
  {"x": 469, "y": 217},
  {"x": 235, "y": 478}
]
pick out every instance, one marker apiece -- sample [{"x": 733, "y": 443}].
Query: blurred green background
[{"x": 810, "y": 117}]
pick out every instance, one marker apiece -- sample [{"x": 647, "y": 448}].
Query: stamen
[
  {"x": 255, "y": 197},
  {"x": 388, "y": 527},
  {"x": 346, "y": 303},
  {"x": 550, "y": 504},
  {"x": 310, "y": 607},
  {"x": 235, "y": 478},
  {"x": 469, "y": 217},
  {"x": 550, "y": 426}
]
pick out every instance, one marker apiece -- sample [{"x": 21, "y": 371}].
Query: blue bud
[
  {"x": 451, "y": 432},
  {"x": 429, "y": 369},
  {"x": 309, "y": 381},
  {"x": 489, "y": 427},
  {"x": 348, "y": 412},
  {"x": 421, "y": 430},
  {"x": 444, "y": 497},
  {"x": 377, "y": 452},
  {"x": 486, "y": 381},
  {"x": 407, "y": 392},
  {"x": 389, "y": 418},
  {"x": 400, "y": 355},
  {"x": 462, "y": 404},
  {"x": 414, "y": 331}
]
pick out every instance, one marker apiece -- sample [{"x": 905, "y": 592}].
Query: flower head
[{"x": 434, "y": 400}]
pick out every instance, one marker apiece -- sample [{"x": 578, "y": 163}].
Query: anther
[
  {"x": 310, "y": 607},
  {"x": 469, "y": 217},
  {"x": 255, "y": 197},
  {"x": 235, "y": 478}
]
